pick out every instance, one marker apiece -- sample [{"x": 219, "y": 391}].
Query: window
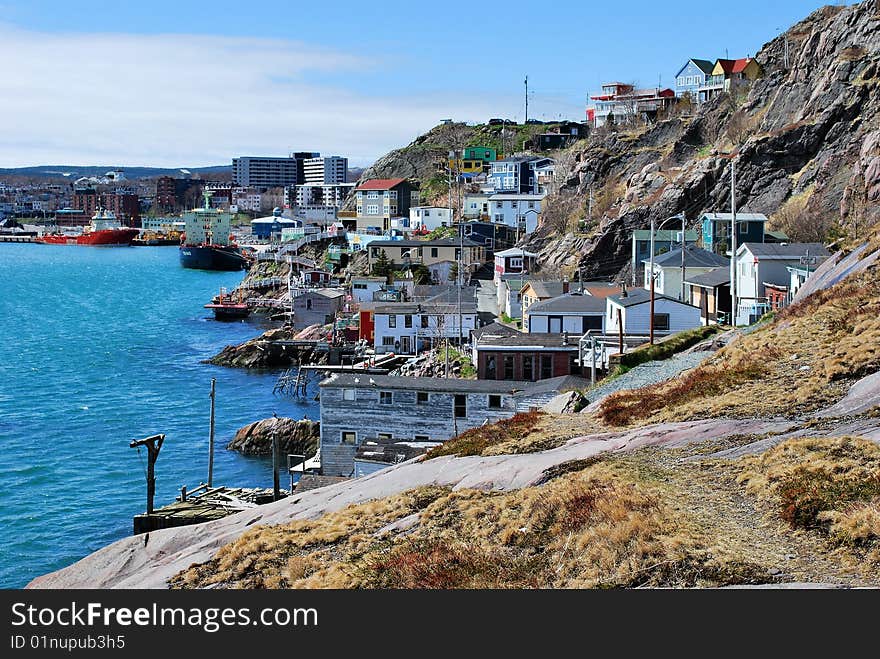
[
  {"x": 348, "y": 394},
  {"x": 387, "y": 340},
  {"x": 531, "y": 204},
  {"x": 554, "y": 324},
  {"x": 349, "y": 437},
  {"x": 407, "y": 321},
  {"x": 513, "y": 204},
  {"x": 422, "y": 438},
  {"x": 460, "y": 406},
  {"x": 308, "y": 304},
  {"x": 427, "y": 213},
  {"x": 491, "y": 368},
  {"x": 499, "y": 217},
  {"x": 425, "y": 318},
  {"x": 508, "y": 367},
  {"x": 573, "y": 365},
  {"x": 359, "y": 287},
  {"x": 499, "y": 204},
  {"x": 661, "y": 322},
  {"x": 383, "y": 435},
  {"x": 528, "y": 367},
  {"x": 385, "y": 398},
  {"x": 372, "y": 195},
  {"x": 392, "y": 320},
  {"x": 516, "y": 262},
  {"x": 591, "y": 322},
  {"x": 495, "y": 401},
  {"x": 743, "y": 227},
  {"x": 373, "y": 209},
  {"x": 546, "y": 366},
  {"x": 434, "y": 252},
  {"x": 421, "y": 397}
]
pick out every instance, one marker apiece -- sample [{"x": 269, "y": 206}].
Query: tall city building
[
  {"x": 253, "y": 171},
  {"x": 325, "y": 171}
]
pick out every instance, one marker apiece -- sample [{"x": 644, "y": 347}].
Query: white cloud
[{"x": 184, "y": 100}]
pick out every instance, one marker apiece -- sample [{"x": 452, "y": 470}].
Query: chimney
[
  {"x": 565, "y": 285},
  {"x": 623, "y": 292},
  {"x": 565, "y": 338}
]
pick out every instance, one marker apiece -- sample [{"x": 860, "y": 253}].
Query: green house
[{"x": 480, "y": 153}]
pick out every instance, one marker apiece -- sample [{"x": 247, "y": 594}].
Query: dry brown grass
[
  {"x": 803, "y": 360},
  {"x": 476, "y": 441},
  {"x": 827, "y": 485},
  {"x": 607, "y": 525}
]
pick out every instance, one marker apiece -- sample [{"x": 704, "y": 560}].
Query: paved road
[{"x": 487, "y": 306}]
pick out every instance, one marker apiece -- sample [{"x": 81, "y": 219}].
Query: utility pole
[
  {"x": 154, "y": 445},
  {"x": 590, "y": 205},
  {"x": 276, "y": 484},
  {"x": 211, "y": 437},
  {"x": 527, "y": 100},
  {"x": 683, "y": 247},
  {"x": 651, "y": 275},
  {"x": 733, "y": 242}
]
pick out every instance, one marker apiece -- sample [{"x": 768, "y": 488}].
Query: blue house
[
  {"x": 716, "y": 230},
  {"x": 691, "y": 77}
]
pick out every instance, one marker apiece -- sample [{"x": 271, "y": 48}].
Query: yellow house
[{"x": 728, "y": 74}]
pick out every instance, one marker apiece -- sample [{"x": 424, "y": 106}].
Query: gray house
[
  {"x": 316, "y": 307},
  {"x": 360, "y": 407}
]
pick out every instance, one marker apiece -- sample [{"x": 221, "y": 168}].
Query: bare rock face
[
  {"x": 807, "y": 128},
  {"x": 265, "y": 351},
  {"x": 299, "y": 437}
]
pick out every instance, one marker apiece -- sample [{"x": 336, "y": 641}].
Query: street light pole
[{"x": 651, "y": 275}]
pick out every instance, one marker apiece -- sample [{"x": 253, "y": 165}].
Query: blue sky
[{"x": 194, "y": 83}]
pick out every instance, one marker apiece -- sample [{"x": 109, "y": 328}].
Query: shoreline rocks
[{"x": 294, "y": 436}]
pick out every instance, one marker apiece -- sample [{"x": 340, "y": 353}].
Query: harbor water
[{"x": 99, "y": 347}]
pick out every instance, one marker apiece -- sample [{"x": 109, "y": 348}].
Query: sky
[{"x": 188, "y": 83}]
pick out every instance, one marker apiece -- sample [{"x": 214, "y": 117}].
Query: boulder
[{"x": 300, "y": 437}]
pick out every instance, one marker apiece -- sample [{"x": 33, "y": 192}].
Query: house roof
[
  {"x": 515, "y": 251},
  {"x": 711, "y": 279},
  {"x": 329, "y": 292},
  {"x": 494, "y": 331},
  {"x": 569, "y": 303},
  {"x": 725, "y": 64},
  {"x": 381, "y": 183},
  {"x": 665, "y": 235},
  {"x": 451, "y": 385},
  {"x": 694, "y": 257},
  {"x": 537, "y": 340},
  {"x": 440, "y": 242},
  {"x": 545, "y": 289},
  {"x": 704, "y": 65},
  {"x": 600, "y": 289},
  {"x": 639, "y": 296},
  {"x": 740, "y": 217},
  {"x": 740, "y": 65},
  {"x": 784, "y": 250}
]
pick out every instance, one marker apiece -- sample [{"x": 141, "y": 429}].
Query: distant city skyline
[{"x": 172, "y": 84}]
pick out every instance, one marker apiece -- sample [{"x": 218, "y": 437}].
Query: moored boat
[
  {"x": 207, "y": 244},
  {"x": 105, "y": 230},
  {"x": 226, "y": 308}
]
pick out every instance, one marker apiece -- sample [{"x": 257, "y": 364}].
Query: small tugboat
[
  {"x": 104, "y": 231},
  {"x": 225, "y": 308}
]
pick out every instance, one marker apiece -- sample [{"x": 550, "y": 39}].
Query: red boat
[
  {"x": 104, "y": 231},
  {"x": 225, "y": 308}
]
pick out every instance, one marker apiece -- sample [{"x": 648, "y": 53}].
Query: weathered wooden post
[
  {"x": 620, "y": 331},
  {"x": 211, "y": 437},
  {"x": 276, "y": 484},
  {"x": 154, "y": 445}
]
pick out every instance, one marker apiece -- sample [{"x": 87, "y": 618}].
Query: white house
[
  {"x": 429, "y": 217},
  {"x": 633, "y": 308},
  {"x": 513, "y": 261},
  {"x": 575, "y": 313},
  {"x": 362, "y": 288},
  {"x": 476, "y": 205},
  {"x": 668, "y": 269},
  {"x": 408, "y": 328},
  {"x": 513, "y": 209},
  {"x": 761, "y": 264},
  {"x": 509, "y": 296}
]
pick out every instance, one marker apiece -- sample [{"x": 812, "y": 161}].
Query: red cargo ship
[{"x": 104, "y": 231}]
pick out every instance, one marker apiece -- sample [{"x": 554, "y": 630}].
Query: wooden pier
[
  {"x": 202, "y": 504},
  {"x": 10, "y": 238}
]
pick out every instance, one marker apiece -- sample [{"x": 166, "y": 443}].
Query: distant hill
[{"x": 76, "y": 171}]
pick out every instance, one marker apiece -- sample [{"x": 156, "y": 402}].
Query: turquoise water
[{"x": 99, "y": 347}]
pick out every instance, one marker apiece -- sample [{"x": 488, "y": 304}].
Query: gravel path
[{"x": 645, "y": 374}]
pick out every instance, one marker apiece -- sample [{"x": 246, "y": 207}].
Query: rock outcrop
[
  {"x": 804, "y": 137},
  {"x": 299, "y": 437},
  {"x": 266, "y": 351}
]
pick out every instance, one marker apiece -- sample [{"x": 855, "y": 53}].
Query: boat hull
[
  {"x": 199, "y": 257},
  {"x": 103, "y": 238}
]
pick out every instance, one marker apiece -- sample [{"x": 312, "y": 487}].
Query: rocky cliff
[{"x": 803, "y": 139}]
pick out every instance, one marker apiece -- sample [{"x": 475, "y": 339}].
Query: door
[
  {"x": 555, "y": 325},
  {"x": 405, "y": 345}
]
